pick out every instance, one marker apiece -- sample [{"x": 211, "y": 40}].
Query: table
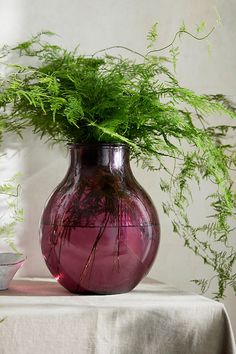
[{"x": 42, "y": 317}]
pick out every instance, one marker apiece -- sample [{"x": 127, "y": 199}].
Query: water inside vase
[{"x": 99, "y": 259}]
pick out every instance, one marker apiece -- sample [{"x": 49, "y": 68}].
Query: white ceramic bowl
[{"x": 9, "y": 265}]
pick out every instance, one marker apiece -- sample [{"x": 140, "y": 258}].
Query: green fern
[
  {"x": 10, "y": 190},
  {"x": 152, "y": 35}
]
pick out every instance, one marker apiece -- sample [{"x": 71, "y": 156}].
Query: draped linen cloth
[{"x": 40, "y": 317}]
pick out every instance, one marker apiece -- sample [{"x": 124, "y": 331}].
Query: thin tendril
[
  {"x": 120, "y": 47},
  {"x": 154, "y": 50},
  {"x": 174, "y": 39}
]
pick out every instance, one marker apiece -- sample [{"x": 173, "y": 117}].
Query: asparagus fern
[{"x": 71, "y": 98}]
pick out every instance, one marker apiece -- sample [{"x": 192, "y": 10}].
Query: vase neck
[{"x": 111, "y": 156}]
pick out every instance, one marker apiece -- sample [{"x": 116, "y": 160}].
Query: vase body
[{"x": 99, "y": 230}]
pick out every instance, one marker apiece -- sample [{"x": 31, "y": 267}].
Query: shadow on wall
[
  {"x": 43, "y": 169},
  {"x": 9, "y": 167}
]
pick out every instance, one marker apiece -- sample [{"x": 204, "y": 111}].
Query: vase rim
[{"x": 98, "y": 144}]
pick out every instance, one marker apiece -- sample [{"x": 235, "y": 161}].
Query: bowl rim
[{"x": 12, "y": 263}]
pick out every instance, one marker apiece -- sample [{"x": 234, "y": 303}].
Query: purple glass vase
[{"x": 99, "y": 231}]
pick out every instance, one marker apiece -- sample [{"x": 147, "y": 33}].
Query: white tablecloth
[{"x": 42, "y": 318}]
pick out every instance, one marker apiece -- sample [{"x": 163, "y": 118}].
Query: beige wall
[{"x": 101, "y": 23}]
